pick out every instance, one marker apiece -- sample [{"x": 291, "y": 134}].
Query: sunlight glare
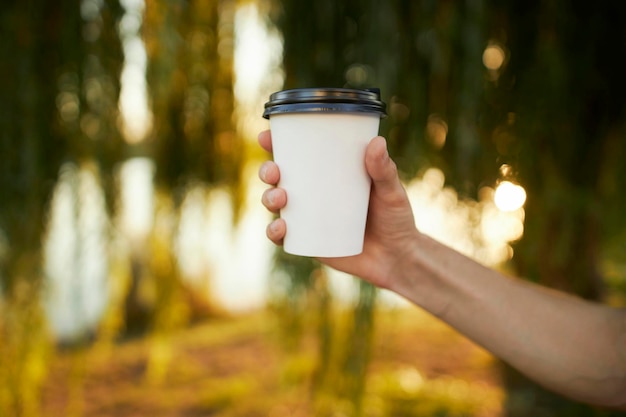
[
  {"x": 136, "y": 116},
  {"x": 258, "y": 72},
  {"x": 236, "y": 258},
  {"x": 509, "y": 196},
  {"x": 137, "y": 197},
  {"x": 75, "y": 258},
  {"x": 502, "y": 226},
  {"x": 477, "y": 229}
]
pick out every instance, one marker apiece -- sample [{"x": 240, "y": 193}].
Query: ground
[{"x": 236, "y": 366}]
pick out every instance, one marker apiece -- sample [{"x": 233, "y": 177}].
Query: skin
[{"x": 569, "y": 345}]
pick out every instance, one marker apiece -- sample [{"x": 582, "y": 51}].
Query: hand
[{"x": 390, "y": 232}]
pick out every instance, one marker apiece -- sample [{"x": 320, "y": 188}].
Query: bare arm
[{"x": 571, "y": 346}]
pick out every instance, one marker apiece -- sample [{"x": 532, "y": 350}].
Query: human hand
[{"x": 390, "y": 232}]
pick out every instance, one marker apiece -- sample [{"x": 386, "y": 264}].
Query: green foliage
[
  {"x": 25, "y": 350},
  {"x": 553, "y": 112},
  {"x": 59, "y": 104},
  {"x": 565, "y": 88},
  {"x": 190, "y": 77}
]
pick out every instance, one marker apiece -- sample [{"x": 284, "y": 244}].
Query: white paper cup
[{"x": 319, "y": 137}]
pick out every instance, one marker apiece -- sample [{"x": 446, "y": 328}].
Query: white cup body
[{"x": 321, "y": 157}]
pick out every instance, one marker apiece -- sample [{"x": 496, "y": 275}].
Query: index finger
[{"x": 265, "y": 140}]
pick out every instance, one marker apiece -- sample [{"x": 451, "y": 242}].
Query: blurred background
[{"x": 135, "y": 276}]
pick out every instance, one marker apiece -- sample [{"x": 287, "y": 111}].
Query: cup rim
[{"x": 324, "y": 100}]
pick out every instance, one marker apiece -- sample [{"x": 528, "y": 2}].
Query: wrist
[
  {"x": 408, "y": 273},
  {"x": 420, "y": 278}
]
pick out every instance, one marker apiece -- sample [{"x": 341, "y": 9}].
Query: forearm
[{"x": 569, "y": 345}]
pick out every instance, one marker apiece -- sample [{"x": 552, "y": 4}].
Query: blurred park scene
[{"x": 135, "y": 275}]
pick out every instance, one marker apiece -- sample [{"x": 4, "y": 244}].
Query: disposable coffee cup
[{"x": 319, "y": 137}]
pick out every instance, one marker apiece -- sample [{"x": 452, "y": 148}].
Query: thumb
[{"x": 381, "y": 167}]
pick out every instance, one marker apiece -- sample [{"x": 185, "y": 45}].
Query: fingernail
[
  {"x": 386, "y": 153},
  {"x": 271, "y": 197},
  {"x": 263, "y": 171}
]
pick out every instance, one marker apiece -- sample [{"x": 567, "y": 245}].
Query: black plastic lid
[{"x": 343, "y": 100}]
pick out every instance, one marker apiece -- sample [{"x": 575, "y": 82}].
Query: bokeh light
[
  {"x": 509, "y": 196},
  {"x": 436, "y": 131},
  {"x": 493, "y": 57},
  {"x": 478, "y": 229}
]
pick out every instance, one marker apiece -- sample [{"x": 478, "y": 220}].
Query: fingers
[
  {"x": 274, "y": 199},
  {"x": 276, "y": 231},
  {"x": 269, "y": 173},
  {"x": 265, "y": 140},
  {"x": 381, "y": 167},
  {"x": 377, "y": 160}
]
